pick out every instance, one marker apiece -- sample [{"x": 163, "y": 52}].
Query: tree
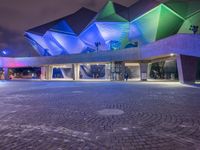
[{"x": 194, "y": 28}]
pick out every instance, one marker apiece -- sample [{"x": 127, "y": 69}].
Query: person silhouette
[{"x": 126, "y": 76}]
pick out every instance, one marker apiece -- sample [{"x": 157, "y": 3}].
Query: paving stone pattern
[{"x": 99, "y": 116}]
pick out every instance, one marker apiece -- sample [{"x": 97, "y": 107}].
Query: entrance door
[{"x": 117, "y": 71}]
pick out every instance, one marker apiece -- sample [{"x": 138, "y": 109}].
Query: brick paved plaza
[{"x": 104, "y": 116}]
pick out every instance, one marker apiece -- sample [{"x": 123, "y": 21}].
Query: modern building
[{"x": 146, "y": 40}]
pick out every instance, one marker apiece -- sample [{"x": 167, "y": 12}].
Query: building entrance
[{"x": 95, "y": 71}]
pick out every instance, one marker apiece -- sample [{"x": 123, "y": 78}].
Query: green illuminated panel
[
  {"x": 194, "y": 20},
  {"x": 107, "y": 10},
  {"x": 169, "y": 23},
  {"x": 144, "y": 28},
  {"x": 112, "y": 18},
  {"x": 107, "y": 14},
  {"x": 179, "y": 7},
  {"x": 158, "y": 23},
  {"x": 184, "y": 8}
]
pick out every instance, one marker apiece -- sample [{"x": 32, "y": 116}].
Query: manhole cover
[{"x": 109, "y": 112}]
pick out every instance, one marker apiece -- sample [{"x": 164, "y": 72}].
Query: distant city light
[
  {"x": 4, "y": 52},
  {"x": 172, "y": 54}
]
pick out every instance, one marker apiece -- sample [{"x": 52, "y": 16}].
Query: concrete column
[
  {"x": 46, "y": 73},
  {"x": 143, "y": 71},
  {"x": 6, "y": 73},
  {"x": 107, "y": 71},
  {"x": 50, "y": 72},
  {"x": 187, "y": 68},
  {"x": 123, "y": 70},
  {"x": 43, "y": 73},
  {"x": 118, "y": 70},
  {"x": 76, "y": 71}
]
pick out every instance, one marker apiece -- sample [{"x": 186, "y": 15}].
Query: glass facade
[{"x": 166, "y": 69}]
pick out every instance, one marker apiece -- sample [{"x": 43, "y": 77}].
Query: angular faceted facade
[
  {"x": 61, "y": 37},
  {"x": 189, "y": 10},
  {"x": 115, "y": 27},
  {"x": 107, "y": 28},
  {"x": 154, "y": 25},
  {"x": 193, "y": 20}
]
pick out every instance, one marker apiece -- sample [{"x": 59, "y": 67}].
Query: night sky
[{"x": 16, "y": 16}]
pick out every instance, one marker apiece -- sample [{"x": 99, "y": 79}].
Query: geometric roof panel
[
  {"x": 141, "y": 7},
  {"x": 109, "y": 13},
  {"x": 114, "y": 31},
  {"x": 62, "y": 27},
  {"x": 193, "y": 20},
  {"x": 91, "y": 35},
  {"x": 144, "y": 28},
  {"x": 106, "y": 11},
  {"x": 74, "y": 21},
  {"x": 71, "y": 44},
  {"x": 158, "y": 23},
  {"x": 184, "y": 8},
  {"x": 121, "y": 10},
  {"x": 80, "y": 19},
  {"x": 42, "y": 29},
  {"x": 169, "y": 22}
]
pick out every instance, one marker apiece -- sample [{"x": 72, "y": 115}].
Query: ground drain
[{"x": 109, "y": 112}]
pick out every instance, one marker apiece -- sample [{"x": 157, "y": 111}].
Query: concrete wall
[
  {"x": 187, "y": 68},
  {"x": 180, "y": 44},
  {"x": 184, "y": 44},
  {"x": 119, "y": 55}
]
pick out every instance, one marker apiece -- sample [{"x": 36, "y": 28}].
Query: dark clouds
[
  {"x": 24, "y": 14},
  {"x": 14, "y": 43}
]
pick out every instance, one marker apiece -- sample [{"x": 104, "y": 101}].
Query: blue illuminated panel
[
  {"x": 39, "y": 39},
  {"x": 114, "y": 31},
  {"x": 53, "y": 46},
  {"x": 62, "y": 27},
  {"x": 92, "y": 35},
  {"x": 71, "y": 44}
]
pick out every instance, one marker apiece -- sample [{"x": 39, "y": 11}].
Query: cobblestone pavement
[{"x": 103, "y": 116}]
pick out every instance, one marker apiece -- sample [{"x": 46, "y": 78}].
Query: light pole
[{"x": 97, "y": 44}]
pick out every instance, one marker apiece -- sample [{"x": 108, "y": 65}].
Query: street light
[
  {"x": 172, "y": 54},
  {"x": 3, "y": 53}
]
